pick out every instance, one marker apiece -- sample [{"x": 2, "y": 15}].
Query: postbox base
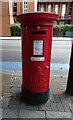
[{"x": 34, "y": 98}]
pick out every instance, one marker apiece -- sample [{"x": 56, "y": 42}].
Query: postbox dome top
[{"x": 37, "y": 16}]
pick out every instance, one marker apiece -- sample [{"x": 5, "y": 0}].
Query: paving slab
[
  {"x": 52, "y": 99},
  {"x": 72, "y": 117},
  {"x": 5, "y": 102},
  {"x": 66, "y": 107},
  {"x": 72, "y": 99},
  {"x": 6, "y": 94},
  {"x": 31, "y": 107},
  {"x": 23, "y": 119},
  {"x": 6, "y": 80},
  {"x": 46, "y": 106},
  {"x": 9, "y": 113},
  {"x": 31, "y": 114},
  {"x": 0, "y": 113},
  {"x": 54, "y": 106},
  {"x": 59, "y": 119},
  {"x": 24, "y": 106},
  {"x": 51, "y": 114},
  {"x": 57, "y": 99},
  {"x": 58, "y": 107},
  {"x": 71, "y": 108}
]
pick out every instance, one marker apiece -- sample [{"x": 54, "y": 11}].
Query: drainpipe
[{"x": 35, "y": 5}]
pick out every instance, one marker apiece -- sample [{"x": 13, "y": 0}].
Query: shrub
[
  {"x": 15, "y": 29},
  {"x": 59, "y": 30}
]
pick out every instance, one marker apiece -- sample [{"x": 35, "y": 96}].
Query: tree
[{"x": 69, "y": 88}]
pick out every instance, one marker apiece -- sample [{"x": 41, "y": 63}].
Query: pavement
[{"x": 58, "y": 107}]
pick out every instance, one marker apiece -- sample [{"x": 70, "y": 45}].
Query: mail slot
[{"x": 36, "y": 31}]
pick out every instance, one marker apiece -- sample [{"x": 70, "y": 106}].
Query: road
[
  {"x": 61, "y": 51},
  {"x": 11, "y": 56},
  {"x": 11, "y": 51}
]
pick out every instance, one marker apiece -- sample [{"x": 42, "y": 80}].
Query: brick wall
[
  {"x": 30, "y": 6},
  {"x": 6, "y": 17}
]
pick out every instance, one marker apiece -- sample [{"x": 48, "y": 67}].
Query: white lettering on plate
[{"x": 37, "y": 58}]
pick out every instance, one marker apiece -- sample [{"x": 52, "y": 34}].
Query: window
[
  {"x": 56, "y": 8},
  {"x": 70, "y": 9},
  {"x": 25, "y": 7},
  {"x": 61, "y": 22},
  {"x": 49, "y": 8},
  {"x": 63, "y": 10},
  {"x": 14, "y": 4},
  {"x": 42, "y": 7}
]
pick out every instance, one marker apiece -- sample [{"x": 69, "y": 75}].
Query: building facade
[
  {"x": 63, "y": 8},
  {"x": 12, "y": 8},
  {"x": 6, "y": 18},
  {"x": 8, "y": 13}
]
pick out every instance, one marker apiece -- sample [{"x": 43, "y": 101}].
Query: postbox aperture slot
[
  {"x": 38, "y": 47},
  {"x": 38, "y": 32}
]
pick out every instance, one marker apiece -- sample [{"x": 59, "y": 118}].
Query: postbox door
[
  {"x": 37, "y": 59},
  {"x": 40, "y": 64}
]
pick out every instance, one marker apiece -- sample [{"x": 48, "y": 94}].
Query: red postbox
[{"x": 36, "y": 29}]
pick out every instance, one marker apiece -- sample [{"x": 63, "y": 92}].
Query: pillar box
[{"x": 36, "y": 30}]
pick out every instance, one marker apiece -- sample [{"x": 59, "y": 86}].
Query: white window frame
[
  {"x": 56, "y": 8},
  {"x": 49, "y": 8},
  {"x": 25, "y": 6},
  {"x": 42, "y": 8},
  {"x": 63, "y": 10}
]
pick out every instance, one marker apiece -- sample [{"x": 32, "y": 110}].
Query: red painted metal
[{"x": 35, "y": 27}]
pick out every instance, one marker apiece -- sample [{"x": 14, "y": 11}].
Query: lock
[{"x": 46, "y": 67}]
